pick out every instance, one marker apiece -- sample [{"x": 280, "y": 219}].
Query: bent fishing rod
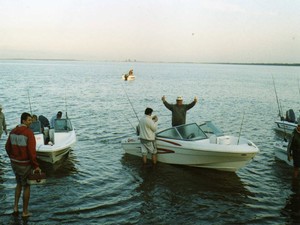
[
  {"x": 29, "y": 102},
  {"x": 241, "y": 128},
  {"x": 279, "y": 110},
  {"x": 131, "y": 104}
]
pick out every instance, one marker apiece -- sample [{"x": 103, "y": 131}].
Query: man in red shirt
[{"x": 21, "y": 149}]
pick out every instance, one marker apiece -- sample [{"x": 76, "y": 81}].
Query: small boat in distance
[
  {"x": 56, "y": 149},
  {"x": 195, "y": 145},
  {"x": 128, "y": 76}
]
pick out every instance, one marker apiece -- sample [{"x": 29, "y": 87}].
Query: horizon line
[{"x": 137, "y": 61}]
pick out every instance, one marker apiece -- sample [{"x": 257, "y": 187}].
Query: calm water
[{"x": 98, "y": 184}]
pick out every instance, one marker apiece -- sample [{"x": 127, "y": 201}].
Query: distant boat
[
  {"x": 128, "y": 77},
  {"x": 195, "y": 145},
  {"x": 64, "y": 140}
]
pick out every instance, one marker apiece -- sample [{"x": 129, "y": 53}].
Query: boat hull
[
  {"x": 197, "y": 154},
  {"x": 281, "y": 152},
  {"x": 57, "y": 151},
  {"x": 131, "y": 77},
  {"x": 285, "y": 126},
  {"x": 53, "y": 156}
]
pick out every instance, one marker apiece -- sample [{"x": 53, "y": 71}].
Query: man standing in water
[
  {"x": 293, "y": 149},
  {"x": 21, "y": 149},
  {"x": 2, "y": 123},
  {"x": 179, "y": 110},
  {"x": 147, "y": 127}
]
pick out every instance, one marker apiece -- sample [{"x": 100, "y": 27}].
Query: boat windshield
[
  {"x": 36, "y": 127},
  {"x": 185, "y": 132},
  {"x": 62, "y": 125},
  {"x": 210, "y": 129}
]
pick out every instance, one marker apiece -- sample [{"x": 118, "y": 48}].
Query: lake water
[{"x": 99, "y": 184}]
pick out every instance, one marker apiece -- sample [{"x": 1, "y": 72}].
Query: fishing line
[
  {"x": 130, "y": 103},
  {"x": 279, "y": 110},
  {"x": 29, "y": 101},
  {"x": 241, "y": 128},
  {"x": 66, "y": 105}
]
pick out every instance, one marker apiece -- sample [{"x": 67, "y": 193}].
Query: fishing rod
[
  {"x": 241, "y": 128},
  {"x": 66, "y": 106},
  {"x": 29, "y": 101},
  {"x": 130, "y": 103},
  {"x": 279, "y": 111},
  {"x": 131, "y": 124}
]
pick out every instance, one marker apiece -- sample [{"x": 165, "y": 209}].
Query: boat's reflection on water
[
  {"x": 184, "y": 180},
  {"x": 61, "y": 168}
]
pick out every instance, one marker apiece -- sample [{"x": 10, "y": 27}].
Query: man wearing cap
[
  {"x": 179, "y": 110},
  {"x": 293, "y": 149},
  {"x": 2, "y": 123}
]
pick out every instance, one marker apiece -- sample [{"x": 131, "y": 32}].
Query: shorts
[
  {"x": 148, "y": 147},
  {"x": 21, "y": 173}
]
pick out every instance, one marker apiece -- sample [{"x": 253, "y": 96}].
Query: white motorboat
[
  {"x": 281, "y": 151},
  {"x": 64, "y": 139},
  {"x": 198, "y": 146}
]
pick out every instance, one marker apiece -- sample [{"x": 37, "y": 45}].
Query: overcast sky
[{"x": 263, "y": 31}]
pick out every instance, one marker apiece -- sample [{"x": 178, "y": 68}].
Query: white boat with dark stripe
[{"x": 195, "y": 145}]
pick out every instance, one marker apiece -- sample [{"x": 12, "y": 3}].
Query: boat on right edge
[
  {"x": 286, "y": 124},
  {"x": 281, "y": 151}
]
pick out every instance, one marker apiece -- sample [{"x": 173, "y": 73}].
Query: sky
[{"x": 228, "y": 31}]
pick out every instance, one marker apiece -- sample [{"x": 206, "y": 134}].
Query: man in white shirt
[{"x": 148, "y": 126}]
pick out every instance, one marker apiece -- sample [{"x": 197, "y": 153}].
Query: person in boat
[
  {"x": 44, "y": 121},
  {"x": 293, "y": 149},
  {"x": 45, "y": 125},
  {"x": 130, "y": 73},
  {"x": 52, "y": 123},
  {"x": 35, "y": 125},
  {"x": 179, "y": 110},
  {"x": 3, "y": 126},
  {"x": 21, "y": 149},
  {"x": 147, "y": 128}
]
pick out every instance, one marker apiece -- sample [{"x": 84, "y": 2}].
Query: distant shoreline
[{"x": 135, "y": 61}]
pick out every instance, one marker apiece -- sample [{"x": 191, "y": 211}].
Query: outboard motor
[{"x": 290, "y": 116}]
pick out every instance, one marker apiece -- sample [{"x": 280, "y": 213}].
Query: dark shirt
[
  {"x": 294, "y": 143},
  {"x": 179, "y": 112}
]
